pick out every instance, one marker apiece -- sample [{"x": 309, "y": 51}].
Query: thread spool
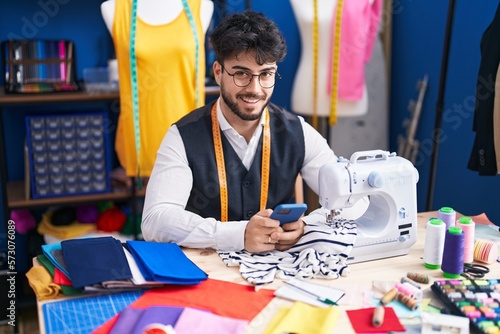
[
  {"x": 485, "y": 251},
  {"x": 434, "y": 243},
  {"x": 468, "y": 227},
  {"x": 416, "y": 293},
  {"x": 453, "y": 254},
  {"x": 409, "y": 281},
  {"x": 389, "y": 296},
  {"x": 419, "y": 278},
  {"x": 404, "y": 290},
  {"x": 407, "y": 301},
  {"x": 448, "y": 216}
]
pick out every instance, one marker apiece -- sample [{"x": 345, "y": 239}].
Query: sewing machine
[{"x": 388, "y": 227}]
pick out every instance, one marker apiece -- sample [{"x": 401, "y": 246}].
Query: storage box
[
  {"x": 68, "y": 154},
  {"x": 97, "y": 80}
]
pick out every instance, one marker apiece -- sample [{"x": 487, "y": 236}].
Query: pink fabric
[
  {"x": 360, "y": 22},
  {"x": 199, "y": 321}
]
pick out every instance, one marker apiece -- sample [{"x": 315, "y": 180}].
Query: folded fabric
[
  {"x": 199, "y": 321},
  {"x": 51, "y": 251},
  {"x": 137, "y": 277},
  {"x": 172, "y": 266},
  {"x": 95, "y": 260},
  {"x": 61, "y": 279},
  {"x": 41, "y": 282},
  {"x": 67, "y": 290},
  {"x": 292, "y": 320},
  {"x": 321, "y": 252},
  {"x": 63, "y": 232}
]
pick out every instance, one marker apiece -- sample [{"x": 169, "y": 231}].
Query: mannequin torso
[
  {"x": 157, "y": 12},
  {"x": 302, "y": 93},
  {"x": 169, "y": 72}
]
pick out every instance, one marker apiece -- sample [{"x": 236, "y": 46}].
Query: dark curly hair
[{"x": 245, "y": 32}]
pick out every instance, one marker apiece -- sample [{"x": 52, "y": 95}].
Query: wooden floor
[{"x": 26, "y": 323}]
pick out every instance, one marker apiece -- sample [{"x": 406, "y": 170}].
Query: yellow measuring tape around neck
[
  {"x": 335, "y": 65},
  {"x": 221, "y": 168}
]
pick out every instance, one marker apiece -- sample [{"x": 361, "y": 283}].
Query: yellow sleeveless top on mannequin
[{"x": 166, "y": 81}]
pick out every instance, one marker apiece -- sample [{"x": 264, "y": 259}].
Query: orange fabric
[
  {"x": 166, "y": 81},
  {"x": 222, "y": 298}
]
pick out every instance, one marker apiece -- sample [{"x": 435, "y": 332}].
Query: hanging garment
[
  {"x": 166, "y": 74},
  {"x": 360, "y": 25},
  {"x": 482, "y": 158},
  {"x": 321, "y": 252}
]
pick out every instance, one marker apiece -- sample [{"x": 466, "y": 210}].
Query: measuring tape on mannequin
[
  {"x": 336, "y": 60},
  {"x": 221, "y": 167},
  {"x": 335, "y": 64},
  {"x": 134, "y": 79}
]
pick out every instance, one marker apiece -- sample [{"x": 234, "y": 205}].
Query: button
[
  {"x": 250, "y": 214},
  {"x": 246, "y": 184}
]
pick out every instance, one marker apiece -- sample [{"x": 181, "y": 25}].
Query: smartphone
[{"x": 287, "y": 213}]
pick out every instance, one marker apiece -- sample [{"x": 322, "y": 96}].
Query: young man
[{"x": 222, "y": 168}]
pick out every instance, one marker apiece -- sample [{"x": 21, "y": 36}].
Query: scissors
[{"x": 473, "y": 271}]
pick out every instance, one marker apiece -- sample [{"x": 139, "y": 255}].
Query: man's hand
[
  {"x": 258, "y": 232},
  {"x": 264, "y": 234},
  {"x": 290, "y": 234}
]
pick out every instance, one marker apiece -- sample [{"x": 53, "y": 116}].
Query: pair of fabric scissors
[{"x": 473, "y": 271}]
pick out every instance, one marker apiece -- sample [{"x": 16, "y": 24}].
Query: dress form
[
  {"x": 157, "y": 12},
  {"x": 165, "y": 90},
  {"x": 302, "y": 92}
]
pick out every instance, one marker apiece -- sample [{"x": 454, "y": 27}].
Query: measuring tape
[
  {"x": 335, "y": 67},
  {"x": 221, "y": 167},
  {"x": 134, "y": 79},
  {"x": 315, "y": 64}
]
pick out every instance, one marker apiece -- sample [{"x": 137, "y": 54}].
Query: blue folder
[{"x": 165, "y": 262}]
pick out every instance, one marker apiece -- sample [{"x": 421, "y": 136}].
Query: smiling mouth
[{"x": 251, "y": 99}]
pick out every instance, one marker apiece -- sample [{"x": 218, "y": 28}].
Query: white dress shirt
[{"x": 164, "y": 217}]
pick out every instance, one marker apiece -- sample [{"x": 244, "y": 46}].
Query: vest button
[
  {"x": 246, "y": 183},
  {"x": 250, "y": 213}
]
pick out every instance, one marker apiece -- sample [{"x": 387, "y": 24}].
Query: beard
[{"x": 246, "y": 115}]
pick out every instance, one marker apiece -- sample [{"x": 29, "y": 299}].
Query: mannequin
[
  {"x": 166, "y": 68},
  {"x": 302, "y": 93},
  {"x": 157, "y": 12}
]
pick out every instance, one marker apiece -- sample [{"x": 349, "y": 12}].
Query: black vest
[{"x": 287, "y": 157}]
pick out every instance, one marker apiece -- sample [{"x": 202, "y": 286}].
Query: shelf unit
[{"x": 14, "y": 192}]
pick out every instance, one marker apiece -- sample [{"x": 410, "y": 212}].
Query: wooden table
[{"x": 355, "y": 284}]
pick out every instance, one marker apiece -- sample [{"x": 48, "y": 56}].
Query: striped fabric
[{"x": 322, "y": 252}]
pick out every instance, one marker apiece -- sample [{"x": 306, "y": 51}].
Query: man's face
[{"x": 248, "y": 102}]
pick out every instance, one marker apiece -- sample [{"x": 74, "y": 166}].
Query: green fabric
[{"x": 67, "y": 290}]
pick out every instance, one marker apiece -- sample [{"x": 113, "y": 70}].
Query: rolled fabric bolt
[
  {"x": 389, "y": 296},
  {"x": 378, "y": 316}
]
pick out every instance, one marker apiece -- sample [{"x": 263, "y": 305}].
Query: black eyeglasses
[{"x": 241, "y": 78}]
